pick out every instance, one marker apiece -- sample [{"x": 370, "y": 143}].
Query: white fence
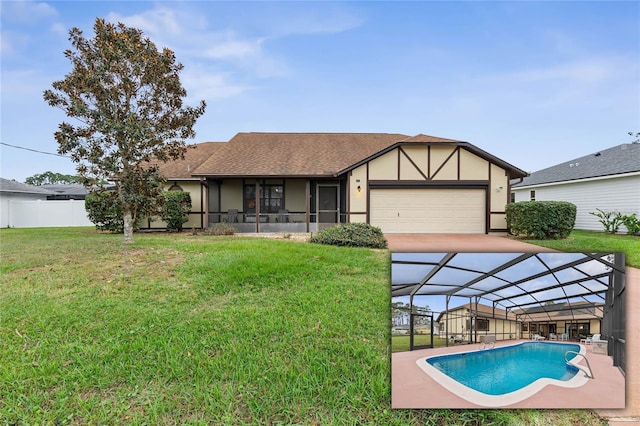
[{"x": 44, "y": 214}]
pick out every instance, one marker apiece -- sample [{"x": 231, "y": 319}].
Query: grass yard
[
  {"x": 594, "y": 242},
  {"x": 401, "y": 342},
  {"x": 183, "y": 329}
]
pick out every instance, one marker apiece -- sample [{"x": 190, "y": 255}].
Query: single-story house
[
  {"x": 15, "y": 191},
  {"x": 469, "y": 321},
  {"x": 303, "y": 182},
  {"x": 576, "y": 321},
  {"x": 73, "y": 191},
  {"x": 608, "y": 180},
  {"x": 179, "y": 178}
]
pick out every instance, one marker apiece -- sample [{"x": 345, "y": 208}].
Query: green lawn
[
  {"x": 183, "y": 329},
  {"x": 594, "y": 242},
  {"x": 401, "y": 343}
]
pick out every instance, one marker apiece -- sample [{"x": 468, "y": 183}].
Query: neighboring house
[
  {"x": 66, "y": 191},
  {"x": 28, "y": 206},
  {"x": 608, "y": 180},
  {"x": 554, "y": 319},
  {"x": 11, "y": 191},
  {"x": 303, "y": 182}
]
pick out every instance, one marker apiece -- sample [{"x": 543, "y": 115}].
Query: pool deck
[{"x": 413, "y": 388}]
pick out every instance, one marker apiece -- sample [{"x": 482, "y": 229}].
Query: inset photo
[{"x": 509, "y": 330}]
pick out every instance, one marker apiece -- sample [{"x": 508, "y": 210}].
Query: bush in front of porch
[{"x": 351, "y": 235}]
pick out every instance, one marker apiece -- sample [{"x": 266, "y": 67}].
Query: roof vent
[{"x": 597, "y": 154}]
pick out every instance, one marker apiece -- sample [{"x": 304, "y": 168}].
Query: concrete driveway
[{"x": 458, "y": 243}]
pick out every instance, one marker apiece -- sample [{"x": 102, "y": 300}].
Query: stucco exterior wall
[
  {"x": 432, "y": 165},
  {"x": 503, "y": 329},
  {"x": 231, "y": 192},
  {"x": 358, "y": 199},
  {"x": 443, "y": 165},
  {"x": 499, "y": 197},
  {"x": 295, "y": 195},
  {"x": 384, "y": 167}
]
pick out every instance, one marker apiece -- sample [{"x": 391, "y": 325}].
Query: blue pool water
[{"x": 503, "y": 370}]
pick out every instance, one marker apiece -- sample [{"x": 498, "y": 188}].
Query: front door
[{"x": 328, "y": 207}]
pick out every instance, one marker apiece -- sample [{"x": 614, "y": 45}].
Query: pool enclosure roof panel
[{"x": 524, "y": 283}]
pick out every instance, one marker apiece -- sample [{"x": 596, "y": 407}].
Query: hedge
[
  {"x": 351, "y": 235},
  {"x": 541, "y": 219}
]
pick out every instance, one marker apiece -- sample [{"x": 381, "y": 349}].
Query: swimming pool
[{"x": 508, "y": 374}]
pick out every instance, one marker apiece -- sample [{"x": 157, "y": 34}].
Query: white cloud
[
  {"x": 12, "y": 42},
  {"x": 27, "y": 12},
  {"x": 161, "y": 20},
  {"x": 209, "y": 85},
  {"x": 59, "y": 29},
  {"x": 335, "y": 21},
  {"x": 232, "y": 48}
]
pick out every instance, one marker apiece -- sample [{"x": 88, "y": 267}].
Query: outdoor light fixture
[
  {"x": 359, "y": 188},
  {"x": 499, "y": 188}
]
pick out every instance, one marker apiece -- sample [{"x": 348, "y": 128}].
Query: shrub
[
  {"x": 176, "y": 208},
  {"x": 222, "y": 228},
  {"x": 632, "y": 223},
  {"x": 610, "y": 220},
  {"x": 104, "y": 209},
  {"x": 351, "y": 235},
  {"x": 541, "y": 219}
]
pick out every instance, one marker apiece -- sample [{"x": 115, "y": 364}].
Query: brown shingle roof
[
  {"x": 294, "y": 154},
  {"x": 484, "y": 311},
  {"x": 195, "y": 156},
  {"x": 426, "y": 138}
]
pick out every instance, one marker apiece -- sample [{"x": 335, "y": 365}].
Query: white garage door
[{"x": 402, "y": 211}]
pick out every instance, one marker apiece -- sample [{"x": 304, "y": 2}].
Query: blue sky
[{"x": 534, "y": 83}]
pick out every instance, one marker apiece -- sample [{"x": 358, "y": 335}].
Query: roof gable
[
  {"x": 421, "y": 138},
  {"x": 620, "y": 159}
]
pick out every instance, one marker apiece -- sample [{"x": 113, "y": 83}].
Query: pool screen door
[{"x": 420, "y": 331}]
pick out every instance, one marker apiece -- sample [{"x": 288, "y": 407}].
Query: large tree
[
  {"x": 52, "y": 178},
  {"x": 128, "y": 101}
]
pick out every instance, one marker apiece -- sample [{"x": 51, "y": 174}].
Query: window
[
  {"x": 175, "y": 187},
  {"x": 481, "y": 324},
  {"x": 532, "y": 195},
  {"x": 513, "y": 197},
  {"x": 271, "y": 198}
]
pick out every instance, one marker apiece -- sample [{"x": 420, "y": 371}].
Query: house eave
[
  {"x": 572, "y": 181},
  {"x": 267, "y": 176}
]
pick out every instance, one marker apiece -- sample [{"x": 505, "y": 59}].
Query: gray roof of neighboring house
[
  {"x": 7, "y": 185},
  {"x": 67, "y": 189},
  {"x": 620, "y": 159}
]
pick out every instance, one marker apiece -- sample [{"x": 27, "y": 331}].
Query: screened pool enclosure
[{"x": 483, "y": 297}]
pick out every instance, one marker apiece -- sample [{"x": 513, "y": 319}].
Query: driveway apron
[{"x": 458, "y": 243}]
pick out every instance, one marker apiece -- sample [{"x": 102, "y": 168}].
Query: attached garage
[{"x": 429, "y": 210}]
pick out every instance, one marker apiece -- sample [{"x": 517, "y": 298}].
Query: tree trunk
[{"x": 128, "y": 227}]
